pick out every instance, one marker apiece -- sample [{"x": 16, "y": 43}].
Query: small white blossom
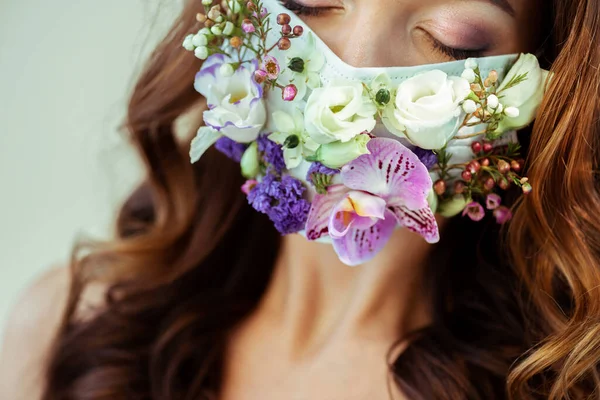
[
  {"x": 199, "y": 40},
  {"x": 205, "y": 31},
  {"x": 497, "y": 110},
  {"x": 470, "y": 63},
  {"x": 187, "y": 43},
  {"x": 234, "y": 6},
  {"x": 201, "y": 52},
  {"x": 214, "y": 14},
  {"x": 469, "y": 75},
  {"x": 216, "y": 30},
  {"x": 227, "y": 70},
  {"x": 511, "y": 112},
  {"x": 492, "y": 101},
  {"x": 469, "y": 106},
  {"x": 207, "y": 2},
  {"x": 228, "y": 30}
]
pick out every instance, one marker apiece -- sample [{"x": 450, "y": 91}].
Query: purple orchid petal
[
  {"x": 421, "y": 221},
  {"x": 388, "y": 171},
  {"x": 358, "y": 210},
  {"x": 361, "y": 245},
  {"x": 317, "y": 224}
]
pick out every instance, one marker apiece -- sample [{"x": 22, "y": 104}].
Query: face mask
[{"x": 346, "y": 154}]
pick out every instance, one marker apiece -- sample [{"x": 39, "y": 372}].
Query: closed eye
[
  {"x": 454, "y": 53},
  {"x": 300, "y": 9}
]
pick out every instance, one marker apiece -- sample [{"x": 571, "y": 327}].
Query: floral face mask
[{"x": 349, "y": 154}]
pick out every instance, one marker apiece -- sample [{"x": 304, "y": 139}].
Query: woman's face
[{"x": 367, "y": 33}]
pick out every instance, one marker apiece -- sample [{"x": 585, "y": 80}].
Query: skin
[{"x": 322, "y": 330}]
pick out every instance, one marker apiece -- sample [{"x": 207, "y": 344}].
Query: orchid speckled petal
[
  {"x": 361, "y": 245},
  {"x": 317, "y": 224},
  {"x": 387, "y": 171},
  {"x": 421, "y": 221}
]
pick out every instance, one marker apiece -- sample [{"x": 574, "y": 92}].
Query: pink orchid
[{"x": 380, "y": 191}]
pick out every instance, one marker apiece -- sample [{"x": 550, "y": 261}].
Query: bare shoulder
[{"x": 30, "y": 331}]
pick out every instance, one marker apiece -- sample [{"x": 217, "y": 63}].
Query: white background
[{"x": 66, "y": 68}]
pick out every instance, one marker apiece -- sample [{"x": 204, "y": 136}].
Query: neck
[{"x": 314, "y": 298}]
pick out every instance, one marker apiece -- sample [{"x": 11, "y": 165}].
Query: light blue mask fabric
[{"x": 335, "y": 67}]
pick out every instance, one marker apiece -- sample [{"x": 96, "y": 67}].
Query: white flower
[
  {"x": 427, "y": 109},
  {"x": 201, "y": 52},
  {"x": 207, "y": 2},
  {"x": 511, "y": 112},
  {"x": 526, "y": 96},
  {"x": 290, "y": 133},
  {"x": 469, "y": 106},
  {"x": 227, "y": 70},
  {"x": 470, "y": 63},
  {"x": 338, "y": 111},
  {"x": 313, "y": 61},
  {"x": 234, "y": 6},
  {"x": 469, "y": 75},
  {"x": 228, "y": 30},
  {"x": 216, "y": 30},
  {"x": 492, "y": 101},
  {"x": 187, "y": 43},
  {"x": 199, "y": 40},
  {"x": 236, "y": 106}
]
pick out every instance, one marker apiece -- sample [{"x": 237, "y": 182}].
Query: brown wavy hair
[{"x": 523, "y": 329}]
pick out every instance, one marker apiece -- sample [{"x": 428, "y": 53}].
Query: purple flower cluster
[
  {"x": 318, "y": 168},
  {"x": 281, "y": 200},
  {"x": 272, "y": 154},
  {"x": 231, "y": 148},
  {"x": 427, "y": 157}
]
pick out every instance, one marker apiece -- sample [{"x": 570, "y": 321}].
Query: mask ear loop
[{"x": 335, "y": 67}]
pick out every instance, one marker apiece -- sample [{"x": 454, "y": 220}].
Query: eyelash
[
  {"x": 301, "y": 9},
  {"x": 457, "y": 54}
]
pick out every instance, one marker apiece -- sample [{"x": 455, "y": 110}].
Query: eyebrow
[{"x": 504, "y": 5}]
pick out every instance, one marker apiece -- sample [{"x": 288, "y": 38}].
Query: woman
[{"x": 200, "y": 297}]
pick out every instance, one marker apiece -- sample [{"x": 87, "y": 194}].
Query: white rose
[
  {"x": 339, "y": 111},
  {"x": 427, "y": 108},
  {"x": 236, "y": 106},
  {"x": 525, "y": 96}
]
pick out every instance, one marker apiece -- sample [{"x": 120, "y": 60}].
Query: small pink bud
[
  {"x": 260, "y": 75},
  {"x": 487, "y": 147},
  {"x": 248, "y": 26},
  {"x": 474, "y": 166},
  {"x": 485, "y": 162},
  {"x": 283, "y": 19},
  {"x": 289, "y": 92},
  {"x": 439, "y": 187},
  {"x": 284, "y": 43},
  {"x": 476, "y": 147},
  {"x": 502, "y": 215},
  {"x": 489, "y": 183},
  {"x": 503, "y": 167},
  {"x": 466, "y": 176},
  {"x": 298, "y": 30},
  {"x": 286, "y": 29},
  {"x": 248, "y": 186},
  {"x": 459, "y": 187}
]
